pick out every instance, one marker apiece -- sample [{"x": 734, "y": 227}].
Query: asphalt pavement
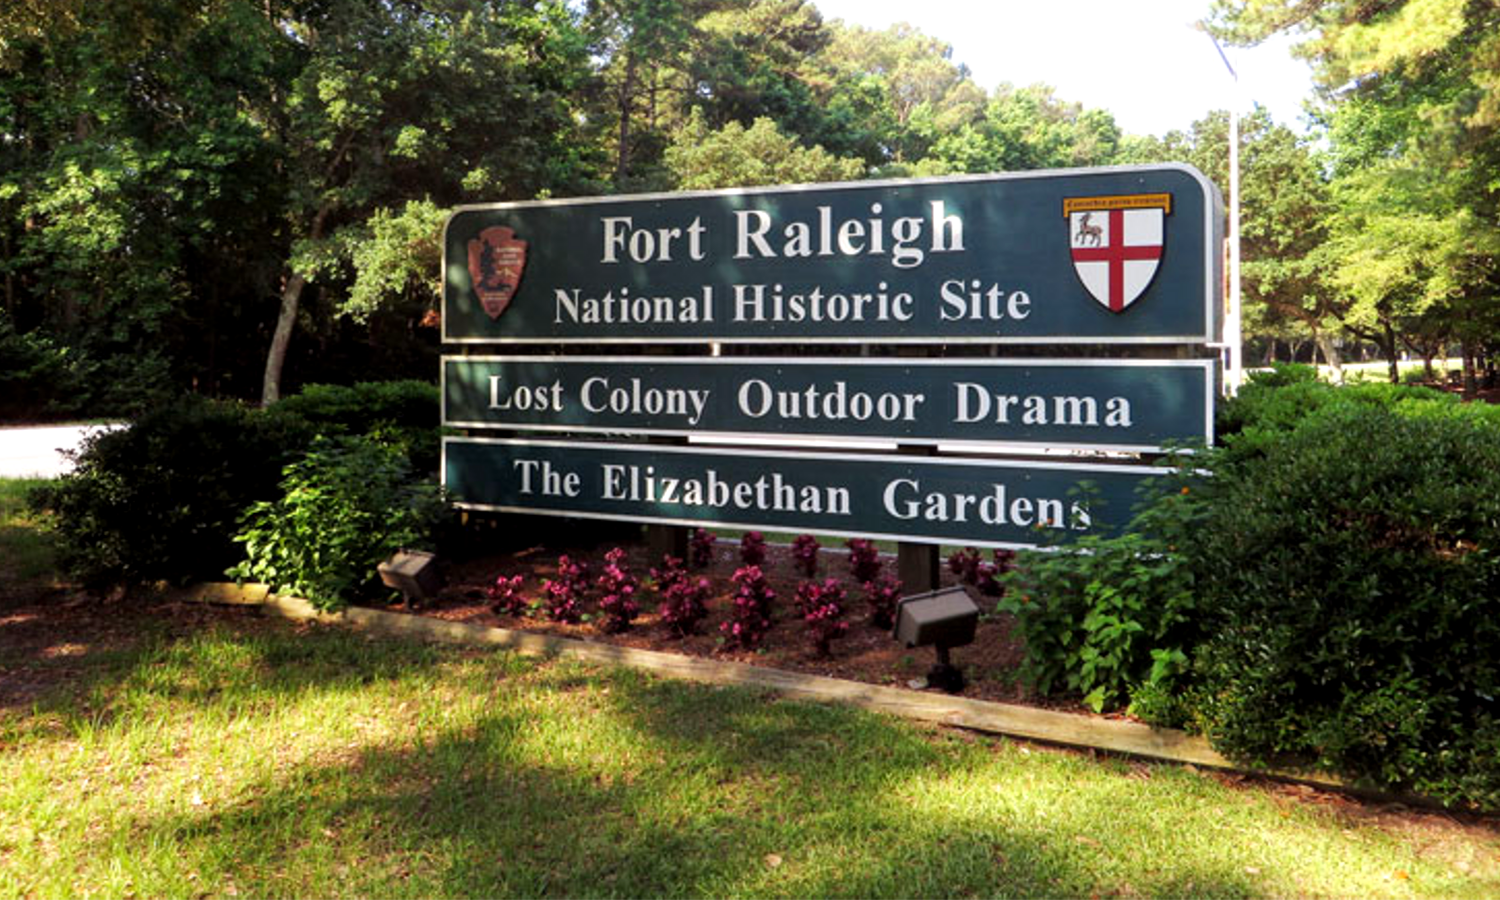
[{"x": 38, "y": 451}]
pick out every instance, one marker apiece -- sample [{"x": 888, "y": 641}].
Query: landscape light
[
  {"x": 414, "y": 573},
  {"x": 942, "y": 619}
]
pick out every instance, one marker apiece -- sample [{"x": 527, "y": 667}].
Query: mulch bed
[{"x": 864, "y": 654}]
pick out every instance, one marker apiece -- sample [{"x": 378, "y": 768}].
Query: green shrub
[
  {"x": 1351, "y": 573},
  {"x": 346, "y": 506},
  {"x": 1107, "y": 617},
  {"x": 403, "y": 414},
  {"x": 158, "y": 500},
  {"x": 1269, "y": 407}
]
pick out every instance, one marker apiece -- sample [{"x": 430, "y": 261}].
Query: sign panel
[
  {"x": 1115, "y": 255},
  {"x": 983, "y": 503},
  {"x": 1127, "y": 405}
]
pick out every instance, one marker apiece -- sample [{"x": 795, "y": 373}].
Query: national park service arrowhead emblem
[
  {"x": 496, "y": 261},
  {"x": 1117, "y": 244}
]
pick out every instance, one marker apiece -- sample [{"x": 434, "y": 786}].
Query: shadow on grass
[{"x": 611, "y": 783}]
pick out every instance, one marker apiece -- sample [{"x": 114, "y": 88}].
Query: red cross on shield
[{"x": 1117, "y": 244}]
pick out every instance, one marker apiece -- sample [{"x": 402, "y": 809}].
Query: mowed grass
[{"x": 255, "y": 758}]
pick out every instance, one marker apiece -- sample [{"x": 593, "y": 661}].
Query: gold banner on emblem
[{"x": 1123, "y": 201}]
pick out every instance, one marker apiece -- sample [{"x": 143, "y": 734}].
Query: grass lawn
[
  {"x": 25, "y": 554},
  {"x": 211, "y": 753}
]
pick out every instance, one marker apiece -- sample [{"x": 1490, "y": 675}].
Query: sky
[{"x": 1139, "y": 59}]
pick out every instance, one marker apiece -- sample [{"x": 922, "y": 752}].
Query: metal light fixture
[
  {"x": 414, "y": 573},
  {"x": 942, "y": 619}
]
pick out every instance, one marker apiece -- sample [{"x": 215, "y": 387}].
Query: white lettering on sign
[
  {"x": 644, "y": 245},
  {"x": 974, "y": 403},
  {"x": 597, "y": 396},
  {"x": 754, "y": 303},
  {"x": 758, "y": 399},
  {"x": 905, "y": 499},
  {"x": 850, "y": 237},
  {"x": 768, "y": 493},
  {"x": 623, "y": 309},
  {"x": 973, "y": 304}
]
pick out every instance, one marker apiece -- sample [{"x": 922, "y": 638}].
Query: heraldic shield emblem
[
  {"x": 496, "y": 261},
  {"x": 1117, "y": 244}
]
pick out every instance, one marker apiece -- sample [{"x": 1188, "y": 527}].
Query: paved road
[{"x": 36, "y": 452}]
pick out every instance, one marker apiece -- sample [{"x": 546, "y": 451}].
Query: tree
[
  {"x": 391, "y": 101},
  {"x": 1284, "y": 210},
  {"x": 1029, "y": 128},
  {"x": 1412, "y": 86},
  {"x": 734, "y": 156}
]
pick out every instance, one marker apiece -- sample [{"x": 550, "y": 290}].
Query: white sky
[{"x": 1139, "y": 59}]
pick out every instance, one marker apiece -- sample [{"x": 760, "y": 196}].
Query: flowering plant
[
  {"x": 864, "y": 560},
  {"x": 617, "y": 589},
  {"x": 805, "y": 550},
  {"x": 505, "y": 596},
  {"x": 753, "y": 548},
  {"x": 564, "y": 594},
  {"x": 701, "y": 548},
  {"x": 883, "y": 593},
  {"x": 822, "y": 608},
  {"x": 751, "y": 617}
]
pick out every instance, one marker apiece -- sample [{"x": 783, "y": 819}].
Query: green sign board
[
  {"x": 1127, "y": 405},
  {"x": 906, "y": 498},
  {"x": 1127, "y": 255}
]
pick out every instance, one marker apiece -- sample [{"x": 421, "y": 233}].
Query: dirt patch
[{"x": 866, "y": 653}]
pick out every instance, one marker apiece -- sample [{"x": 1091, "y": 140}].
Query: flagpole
[{"x": 1235, "y": 365}]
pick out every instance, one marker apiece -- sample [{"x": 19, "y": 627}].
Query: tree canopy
[{"x": 237, "y": 196}]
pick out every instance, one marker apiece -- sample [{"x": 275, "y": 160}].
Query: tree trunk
[
  {"x": 291, "y": 296},
  {"x": 1330, "y": 353},
  {"x": 1389, "y": 347},
  {"x": 1471, "y": 380},
  {"x": 627, "y": 88}
]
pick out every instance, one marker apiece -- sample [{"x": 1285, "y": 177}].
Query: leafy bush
[
  {"x": 1353, "y": 574},
  {"x": 753, "y": 609},
  {"x": 617, "y": 589},
  {"x": 159, "y": 500},
  {"x": 805, "y": 552},
  {"x": 1106, "y": 615},
  {"x": 1272, "y": 404},
  {"x": 402, "y": 414},
  {"x": 346, "y": 506}
]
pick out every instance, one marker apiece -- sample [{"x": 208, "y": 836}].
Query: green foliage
[
  {"x": 1273, "y": 403},
  {"x": 734, "y": 156},
  {"x": 403, "y": 414},
  {"x": 345, "y": 507},
  {"x": 1354, "y": 591},
  {"x": 1103, "y": 616},
  {"x": 158, "y": 500},
  {"x": 38, "y": 378}
]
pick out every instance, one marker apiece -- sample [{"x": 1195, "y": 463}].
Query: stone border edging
[{"x": 1069, "y": 729}]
